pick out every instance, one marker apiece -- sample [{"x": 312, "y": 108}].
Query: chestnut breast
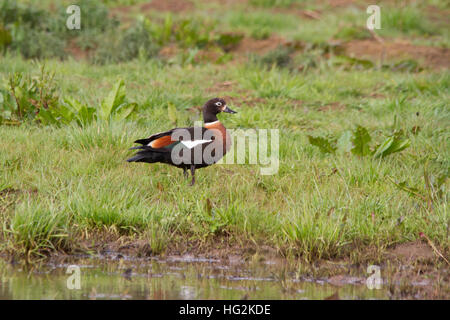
[{"x": 223, "y": 136}]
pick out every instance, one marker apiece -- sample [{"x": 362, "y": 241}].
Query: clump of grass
[
  {"x": 261, "y": 34},
  {"x": 130, "y": 44},
  {"x": 274, "y": 83},
  {"x": 260, "y": 22},
  {"x": 38, "y": 228},
  {"x": 406, "y": 20},
  {"x": 353, "y": 32},
  {"x": 280, "y": 57}
]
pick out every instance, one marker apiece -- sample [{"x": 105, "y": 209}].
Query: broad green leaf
[
  {"x": 360, "y": 141},
  {"x": 124, "y": 111},
  {"x": 381, "y": 149},
  {"x": 344, "y": 143},
  {"x": 46, "y": 117},
  {"x": 73, "y": 104},
  {"x": 63, "y": 113},
  {"x": 324, "y": 145},
  {"x": 113, "y": 100},
  {"x": 398, "y": 145},
  {"x": 392, "y": 144},
  {"x": 85, "y": 115}
]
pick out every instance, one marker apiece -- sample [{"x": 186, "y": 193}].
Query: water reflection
[{"x": 171, "y": 278}]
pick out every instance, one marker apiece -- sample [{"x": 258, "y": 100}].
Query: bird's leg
[
  {"x": 192, "y": 174},
  {"x": 185, "y": 173}
]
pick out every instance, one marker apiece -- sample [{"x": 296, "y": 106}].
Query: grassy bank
[
  {"x": 60, "y": 185},
  {"x": 66, "y": 186}
]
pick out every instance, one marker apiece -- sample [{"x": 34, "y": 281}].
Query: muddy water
[{"x": 117, "y": 277}]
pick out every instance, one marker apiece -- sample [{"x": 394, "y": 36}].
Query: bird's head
[{"x": 213, "y": 107}]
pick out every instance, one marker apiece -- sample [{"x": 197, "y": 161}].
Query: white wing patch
[{"x": 190, "y": 144}]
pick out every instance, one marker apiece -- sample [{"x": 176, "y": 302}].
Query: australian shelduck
[{"x": 189, "y": 148}]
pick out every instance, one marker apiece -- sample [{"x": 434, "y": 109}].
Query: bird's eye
[{"x": 219, "y": 104}]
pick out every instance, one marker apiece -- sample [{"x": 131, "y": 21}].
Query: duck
[{"x": 189, "y": 148}]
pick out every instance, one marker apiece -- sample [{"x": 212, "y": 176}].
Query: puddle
[{"x": 171, "y": 278}]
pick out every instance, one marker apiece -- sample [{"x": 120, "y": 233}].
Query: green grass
[
  {"x": 83, "y": 184},
  {"x": 409, "y": 20},
  {"x": 63, "y": 187}
]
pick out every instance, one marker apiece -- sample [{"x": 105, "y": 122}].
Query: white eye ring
[{"x": 219, "y": 104}]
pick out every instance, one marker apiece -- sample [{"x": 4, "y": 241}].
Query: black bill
[{"x": 228, "y": 110}]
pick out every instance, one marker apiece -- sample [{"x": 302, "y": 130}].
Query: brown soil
[
  {"x": 250, "y": 45},
  {"x": 334, "y": 106},
  {"x": 221, "y": 247},
  {"x": 206, "y": 55},
  {"x": 437, "y": 14},
  {"x": 75, "y": 51},
  {"x": 377, "y": 95},
  {"x": 12, "y": 192},
  {"x": 341, "y": 3},
  {"x": 169, "y": 51},
  {"x": 168, "y": 5},
  {"x": 413, "y": 251},
  {"x": 430, "y": 56}
]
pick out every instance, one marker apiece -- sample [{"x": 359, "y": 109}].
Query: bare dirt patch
[
  {"x": 250, "y": 45},
  {"x": 207, "y": 55},
  {"x": 433, "y": 57},
  {"x": 76, "y": 52},
  {"x": 376, "y": 95},
  {"x": 334, "y": 106},
  {"x": 340, "y": 3},
  {"x": 8, "y": 191},
  {"x": 12, "y": 191},
  {"x": 413, "y": 251},
  {"x": 169, "y": 51},
  {"x": 175, "y": 6},
  {"x": 437, "y": 14}
]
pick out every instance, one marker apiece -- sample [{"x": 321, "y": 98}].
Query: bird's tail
[{"x": 147, "y": 154}]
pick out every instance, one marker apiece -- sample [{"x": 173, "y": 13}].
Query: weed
[
  {"x": 280, "y": 57},
  {"x": 360, "y": 143}
]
